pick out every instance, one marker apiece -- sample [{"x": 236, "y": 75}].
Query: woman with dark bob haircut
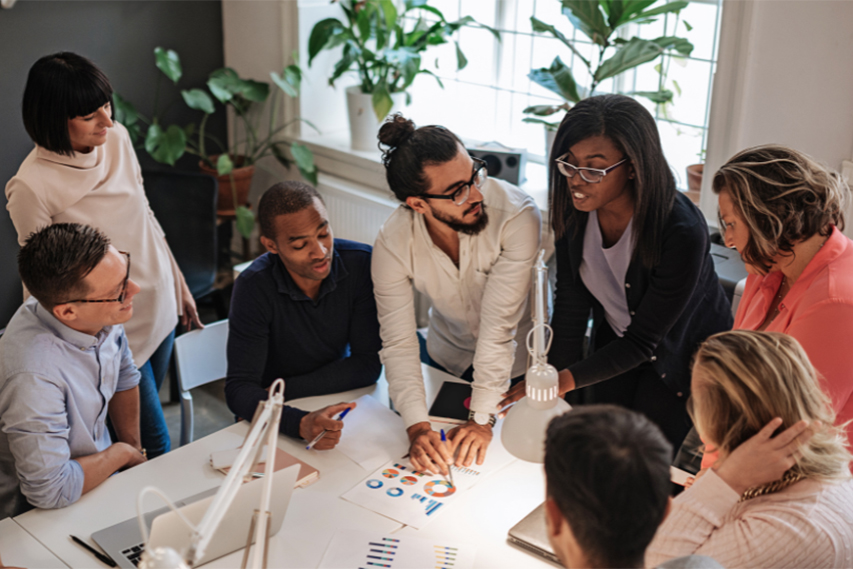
[
  {"x": 635, "y": 252},
  {"x": 83, "y": 169},
  {"x": 784, "y": 213}
]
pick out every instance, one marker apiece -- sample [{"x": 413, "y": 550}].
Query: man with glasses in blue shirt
[
  {"x": 468, "y": 243},
  {"x": 65, "y": 365}
]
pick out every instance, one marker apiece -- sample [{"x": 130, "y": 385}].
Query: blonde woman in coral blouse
[
  {"x": 783, "y": 212},
  {"x": 780, "y": 494},
  {"x": 83, "y": 169}
]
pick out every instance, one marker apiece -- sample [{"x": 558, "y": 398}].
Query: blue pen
[
  {"x": 324, "y": 431},
  {"x": 449, "y": 471}
]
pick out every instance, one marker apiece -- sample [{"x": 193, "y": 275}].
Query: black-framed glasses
[
  {"x": 123, "y": 294},
  {"x": 590, "y": 175},
  {"x": 460, "y": 196}
]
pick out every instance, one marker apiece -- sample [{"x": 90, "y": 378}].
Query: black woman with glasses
[
  {"x": 467, "y": 242},
  {"x": 634, "y": 252},
  {"x": 83, "y": 169}
]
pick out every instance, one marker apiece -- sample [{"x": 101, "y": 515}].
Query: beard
[{"x": 472, "y": 228}]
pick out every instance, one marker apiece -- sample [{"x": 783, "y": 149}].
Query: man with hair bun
[
  {"x": 304, "y": 311},
  {"x": 467, "y": 243},
  {"x": 65, "y": 365}
]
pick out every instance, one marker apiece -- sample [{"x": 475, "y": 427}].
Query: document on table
[
  {"x": 353, "y": 548},
  {"x": 372, "y": 434}
]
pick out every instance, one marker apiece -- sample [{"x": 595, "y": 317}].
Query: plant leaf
[
  {"x": 634, "y": 53},
  {"x": 688, "y": 26},
  {"x": 681, "y": 45},
  {"x": 558, "y": 79},
  {"x": 659, "y": 97},
  {"x": 283, "y": 84},
  {"x": 540, "y": 26},
  {"x": 589, "y": 19},
  {"x": 461, "y": 60},
  {"x": 321, "y": 33},
  {"x": 198, "y": 100},
  {"x": 548, "y": 125},
  {"x": 620, "y": 12},
  {"x": 165, "y": 146},
  {"x": 382, "y": 101},
  {"x": 255, "y": 91},
  {"x": 665, "y": 9},
  {"x": 545, "y": 110},
  {"x": 126, "y": 113},
  {"x": 168, "y": 62},
  {"x": 222, "y": 83},
  {"x": 304, "y": 159},
  {"x": 245, "y": 221},
  {"x": 390, "y": 13},
  {"x": 224, "y": 165},
  {"x": 280, "y": 156}
]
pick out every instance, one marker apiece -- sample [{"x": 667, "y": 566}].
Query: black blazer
[{"x": 674, "y": 306}]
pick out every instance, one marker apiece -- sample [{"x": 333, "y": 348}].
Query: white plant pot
[
  {"x": 363, "y": 125},
  {"x": 550, "y": 135}
]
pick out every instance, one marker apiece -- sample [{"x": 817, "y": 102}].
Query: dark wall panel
[{"x": 120, "y": 37}]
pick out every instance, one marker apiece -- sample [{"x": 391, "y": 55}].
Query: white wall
[{"x": 785, "y": 75}]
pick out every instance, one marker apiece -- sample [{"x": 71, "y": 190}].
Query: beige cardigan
[{"x": 104, "y": 189}]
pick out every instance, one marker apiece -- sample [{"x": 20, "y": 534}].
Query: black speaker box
[{"x": 505, "y": 163}]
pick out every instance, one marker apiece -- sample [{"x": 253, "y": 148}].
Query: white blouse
[{"x": 103, "y": 188}]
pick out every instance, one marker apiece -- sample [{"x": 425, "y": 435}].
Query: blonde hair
[
  {"x": 783, "y": 196},
  {"x": 746, "y": 379}
]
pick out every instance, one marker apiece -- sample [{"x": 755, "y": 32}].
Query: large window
[{"x": 485, "y": 100}]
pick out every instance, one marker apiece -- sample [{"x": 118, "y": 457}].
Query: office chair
[{"x": 199, "y": 359}]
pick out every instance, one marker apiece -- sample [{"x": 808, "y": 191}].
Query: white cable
[
  {"x": 550, "y": 334},
  {"x": 140, "y": 516}
]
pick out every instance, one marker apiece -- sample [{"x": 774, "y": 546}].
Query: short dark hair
[
  {"x": 607, "y": 469},
  {"x": 633, "y": 130},
  {"x": 783, "y": 196},
  {"x": 409, "y": 150},
  {"x": 59, "y": 87},
  {"x": 281, "y": 199},
  {"x": 54, "y": 261}
]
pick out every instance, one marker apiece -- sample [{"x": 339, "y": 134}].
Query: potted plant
[
  {"x": 604, "y": 23},
  {"x": 384, "y": 46},
  {"x": 233, "y": 163}
]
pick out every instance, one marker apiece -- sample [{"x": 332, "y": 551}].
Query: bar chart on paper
[{"x": 364, "y": 550}]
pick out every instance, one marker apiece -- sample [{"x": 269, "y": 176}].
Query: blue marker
[
  {"x": 449, "y": 471},
  {"x": 322, "y": 434}
]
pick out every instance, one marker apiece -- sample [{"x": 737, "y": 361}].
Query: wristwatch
[{"x": 482, "y": 418}]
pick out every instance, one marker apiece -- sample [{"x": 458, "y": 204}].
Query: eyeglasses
[
  {"x": 460, "y": 196},
  {"x": 590, "y": 175},
  {"x": 123, "y": 294},
  {"x": 722, "y": 225}
]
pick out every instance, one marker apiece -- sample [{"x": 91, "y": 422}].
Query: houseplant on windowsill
[
  {"x": 233, "y": 163},
  {"x": 603, "y": 22},
  {"x": 384, "y": 46}
]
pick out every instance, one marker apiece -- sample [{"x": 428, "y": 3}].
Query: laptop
[
  {"x": 123, "y": 541},
  {"x": 531, "y": 534}
]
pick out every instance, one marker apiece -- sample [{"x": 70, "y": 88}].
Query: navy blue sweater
[{"x": 321, "y": 347}]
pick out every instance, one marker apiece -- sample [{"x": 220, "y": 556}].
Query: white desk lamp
[
  {"x": 265, "y": 424},
  {"x": 523, "y": 432}
]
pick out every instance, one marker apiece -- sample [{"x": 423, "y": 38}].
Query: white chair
[{"x": 200, "y": 358}]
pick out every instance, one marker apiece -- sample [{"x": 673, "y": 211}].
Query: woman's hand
[
  {"x": 189, "y": 315},
  {"x": 517, "y": 391},
  {"x": 764, "y": 458}
]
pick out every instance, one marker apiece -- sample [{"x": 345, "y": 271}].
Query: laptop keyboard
[{"x": 133, "y": 554}]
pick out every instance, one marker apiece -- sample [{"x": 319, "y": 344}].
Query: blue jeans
[{"x": 152, "y": 423}]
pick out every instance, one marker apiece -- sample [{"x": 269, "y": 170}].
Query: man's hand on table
[
  {"x": 314, "y": 423},
  {"x": 472, "y": 441},
  {"x": 134, "y": 456},
  {"x": 426, "y": 450}
]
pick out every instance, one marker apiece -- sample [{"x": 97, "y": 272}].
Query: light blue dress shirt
[{"x": 55, "y": 387}]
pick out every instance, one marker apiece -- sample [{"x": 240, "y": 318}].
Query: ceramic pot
[
  {"x": 550, "y": 135},
  {"x": 694, "y": 181},
  {"x": 242, "y": 176},
  {"x": 363, "y": 125}
]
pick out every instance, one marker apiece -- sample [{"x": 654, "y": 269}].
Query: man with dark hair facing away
[
  {"x": 608, "y": 488},
  {"x": 65, "y": 365},
  {"x": 304, "y": 311}
]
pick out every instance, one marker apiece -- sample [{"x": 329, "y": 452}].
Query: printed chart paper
[
  {"x": 352, "y": 549},
  {"x": 372, "y": 434}
]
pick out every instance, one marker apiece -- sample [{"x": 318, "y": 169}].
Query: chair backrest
[
  {"x": 185, "y": 205},
  {"x": 200, "y": 355}
]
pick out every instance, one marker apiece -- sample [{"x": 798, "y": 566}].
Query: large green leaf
[
  {"x": 544, "y": 110},
  {"x": 350, "y": 56},
  {"x": 245, "y": 221},
  {"x": 382, "y": 101},
  {"x": 408, "y": 61},
  {"x": 225, "y": 84},
  {"x": 557, "y": 78},
  {"x": 321, "y": 33},
  {"x": 198, "y": 100},
  {"x": 304, "y": 159},
  {"x": 389, "y": 11},
  {"x": 586, "y": 15},
  {"x": 634, "y": 53},
  {"x": 125, "y": 112},
  {"x": 461, "y": 60},
  {"x": 681, "y": 45},
  {"x": 540, "y": 26},
  {"x": 280, "y": 156},
  {"x": 619, "y": 12},
  {"x": 665, "y": 9},
  {"x": 224, "y": 165},
  {"x": 363, "y": 20},
  {"x": 165, "y": 146},
  {"x": 255, "y": 91},
  {"x": 659, "y": 97},
  {"x": 168, "y": 62},
  {"x": 284, "y": 82}
]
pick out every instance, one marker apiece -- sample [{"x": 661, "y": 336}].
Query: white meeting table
[{"x": 481, "y": 517}]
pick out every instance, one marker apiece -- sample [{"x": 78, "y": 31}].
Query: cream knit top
[{"x": 103, "y": 188}]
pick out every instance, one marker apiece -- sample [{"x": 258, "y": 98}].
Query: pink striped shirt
[{"x": 808, "y": 524}]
